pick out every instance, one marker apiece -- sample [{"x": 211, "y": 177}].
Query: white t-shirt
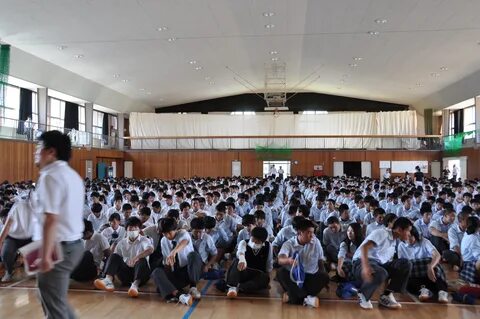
[
  {"x": 168, "y": 246},
  {"x": 96, "y": 245},
  {"x": 129, "y": 250},
  {"x": 384, "y": 248},
  {"x": 22, "y": 222},
  {"x": 60, "y": 191},
  {"x": 97, "y": 222},
  {"x": 108, "y": 232}
]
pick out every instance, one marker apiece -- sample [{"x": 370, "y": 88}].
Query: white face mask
[
  {"x": 133, "y": 234},
  {"x": 253, "y": 245}
]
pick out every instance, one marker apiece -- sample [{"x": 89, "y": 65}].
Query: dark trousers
[
  {"x": 312, "y": 285},
  {"x": 10, "y": 249},
  {"x": 414, "y": 285},
  {"x": 439, "y": 243},
  {"x": 127, "y": 275},
  {"x": 331, "y": 252},
  {"x": 86, "y": 270},
  {"x": 168, "y": 281},
  {"x": 452, "y": 257},
  {"x": 248, "y": 281},
  {"x": 397, "y": 271}
]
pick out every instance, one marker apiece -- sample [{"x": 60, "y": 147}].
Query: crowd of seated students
[{"x": 308, "y": 231}]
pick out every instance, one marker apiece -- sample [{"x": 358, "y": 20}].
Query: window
[
  {"x": 81, "y": 118},
  {"x": 34, "y": 108},
  {"x": 97, "y": 122},
  {"x": 56, "y": 114},
  {"x": 452, "y": 124},
  {"x": 243, "y": 113},
  {"x": 469, "y": 121},
  {"x": 9, "y": 111},
  {"x": 315, "y": 112}
]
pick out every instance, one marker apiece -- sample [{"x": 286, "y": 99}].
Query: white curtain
[{"x": 346, "y": 123}]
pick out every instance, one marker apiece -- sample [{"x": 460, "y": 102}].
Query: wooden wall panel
[{"x": 473, "y": 161}]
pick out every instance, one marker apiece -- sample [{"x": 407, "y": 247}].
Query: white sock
[{"x": 136, "y": 282}]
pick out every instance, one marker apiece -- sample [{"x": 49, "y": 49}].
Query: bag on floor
[
  {"x": 346, "y": 290},
  {"x": 297, "y": 273}
]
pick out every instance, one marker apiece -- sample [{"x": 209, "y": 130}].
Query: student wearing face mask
[
  {"x": 250, "y": 271},
  {"x": 129, "y": 260}
]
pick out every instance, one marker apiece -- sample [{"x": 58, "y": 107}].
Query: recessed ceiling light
[
  {"x": 346, "y": 75},
  {"x": 268, "y": 14},
  {"x": 353, "y": 65},
  {"x": 116, "y": 76},
  {"x": 149, "y": 93},
  {"x": 419, "y": 84},
  {"x": 373, "y": 33},
  {"x": 357, "y": 58},
  {"x": 161, "y": 99},
  {"x": 172, "y": 39},
  {"x": 62, "y": 47},
  {"x": 207, "y": 78},
  {"x": 124, "y": 80},
  {"x": 193, "y": 62},
  {"x": 435, "y": 74},
  {"x": 274, "y": 59},
  {"x": 162, "y": 28},
  {"x": 380, "y": 21},
  {"x": 197, "y": 68},
  {"x": 211, "y": 83},
  {"x": 273, "y": 52},
  {"x": 142, "y": 90},
  {"x": 269, "y": 26},
  {"x": 78, "y": 56},
  {"x": 443, "y": 68}
]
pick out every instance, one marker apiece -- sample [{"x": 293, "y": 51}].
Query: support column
[
  {"x": 477, "y": 119},
  {"x": 446, "y": 122},
  {"x": 89, "y": 122},
  {"x": 120, "y": 133},
  {"x": 42, "y": 102}
]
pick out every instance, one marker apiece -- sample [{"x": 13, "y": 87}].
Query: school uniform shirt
[
  {"x": 112, "y": 210},
  {"x": 228, "y": 225},
  {"x": 152, "y": 233},
  {"x": 219, "y": 236},
  {"x": 384, "y": 247},
  {"x": 411, "y": 213},
  {"x": 205, "y": 247},
  {"x": 168, "y": 245},
  {"x": 166, "y": 208},
  {"x": 22, "y": 223},
  {"x": 455, "y": 236},
  {"x": 283, "y": 235},
  {"x": 241, "y": 210},
  {"x": 383, "y": 204},
  {"x": 419, "y": 250},
  {"x": 187, "y": 220},
  {"x": 96, "y": 245},
  {"x": 345, "y": 253},
  {"x": 129, "y": 250},
  {"x": 368, "y": 219},
  {"x": 437, "y": 216},
  {"x": 423, "y": 228},
  {"x": 60, "y": 191},
  {"x": 334, "y": 239},
  {"x": 440, "y": 226},
  {"x": 470, "y": 247},
  {"x": 108, "y": 233},
  {"x": 359, "y": 214},
  {"x": 310, "y": 254},
  {"x": 97, "y": 222},
  {"x": 345, "y": 223},
  {"x": 209, "y": 209},
  {"x": 316, "y": 213},
  {"x": 242, "y": 248},
  {"x": 393, "y": 208},
  {"x": 373, "y": 226}
]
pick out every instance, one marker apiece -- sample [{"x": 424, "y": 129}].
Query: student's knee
[
  {"x": 380, "y": 275},
  {"x": 404, "y": 265},
  {"x": 193, "y": 257}
]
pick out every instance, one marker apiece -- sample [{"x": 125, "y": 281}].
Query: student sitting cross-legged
[
  {"x": 427, "y": 275},
  {"x": 347, "y": 248},
  {"x": 250, "y": 271},
  {"x": 470, "y": 249},
  {"x": 178, "y": 269},
  {"x": 129, "y": 260},
  {"x": 302, "y": 251},
  {"x": 373, "y": 264},
  {"x": 204, "y": 246}
]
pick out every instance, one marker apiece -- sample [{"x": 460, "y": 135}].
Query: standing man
[
  {"x": 280, "y": 173},
  {"x": 454, "y": 173},
  {"x": 60, "y": 193}
]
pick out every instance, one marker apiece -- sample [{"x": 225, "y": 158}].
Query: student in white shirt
[
  {"x": 453, "y": 256},
  {"x": 116, "y": 208},
  {"x": 285, "y": 234},
  {"x": 439, "y": 229},
  {"x": 470, "y": 248},
  {"x": 115, "y": 232},
  {"x": 16, "y": 233},
  {"x": 248, "y": 223},
  {"x": 347, "y": 248},
  {"x": 145, "y": 216},
  {"x": 178, "y": 270},
  {"x": 204, "y": 246},
  {"x": 250, "y": 271},
  {"x": 156, "y": 211},
  {"x": 379, "y": 215},
  {"x": 97, "y": 219},
  {"x": 373, "y": 265},
  {"x": 129, "y": 260},
  {"x": 185, "y": 215}
]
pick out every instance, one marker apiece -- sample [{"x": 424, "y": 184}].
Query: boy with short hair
[
  {"x": 332, "y": 238},
  {"x": 145, "y": 216},
  {"x": 248, "y": 222},
  {"x": 423, "y": 224},
  {"x": 378, "y": 214},
  {"x": 97, "y": 219},
  {"x": 439, "y": 229},
  {"x": 453, "y": 256},
  {"x": 115, "y": 232}
]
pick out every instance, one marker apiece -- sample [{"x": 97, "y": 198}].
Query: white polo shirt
[
  {"x": 129, "y": 250},
  {"x": 384, "y": 248},
  {"x": 96, "y": 245},
  {"x": 108, "y": 232},
  {"x": 22, "y": 222},
  {"x": 167, "y": 247},
  {"x": 60, "y": 191}
]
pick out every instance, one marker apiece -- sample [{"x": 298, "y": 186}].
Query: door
[
  {"x": 436, "y": 169},
  {"x": 236, "y": 168},
  {"x": 367, "y": 169},
  {"x": 337, "y": 168},
  {"x": 352, "y": 169},
  {"x": 128, "y": 169},
  {"x": 89, "y": 169}
]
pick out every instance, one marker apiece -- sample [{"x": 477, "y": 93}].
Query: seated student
[
  {"x": 330, "y": 210},
  {"x": 145, "y": 216},
  {"x": 288, "y": 215},
  {"x": 379, "y": 215},
  {"x": 455, "y": 235},
  {"x": 332, "y": 238},
  {"x": 393, "y": 205},
  {"x": 407, "y": 210},
  {"x": 423, "y": 224},
  {"x": 285, "y": 234},
  {"x": 127, "y": 213},
  {"x": 369, "y": 218},
  {"x": 347, "y": 248},
  {"x": 178, "y": 270},
  {"x": 156, "y": 211},
  {"x": 248, "y": 222},
  {"x": 186, "y": 216},
  {"x": 360, "y": 210},
  {"x": 439, "y": 229},
  {"x": 467, "y": 197},
  {"x": 117, "y": 206},
  {"x": 203, "y": 244},
  {"x": 250, "y": 271},
  {"x": 476, "y": 206},
  {"x": 373, "y": 264},
  {"x": 344, "y": 218},
  {"x": 16, "y": 233},
  {"x": 304, "y": 249},
  {"x": 427, "y": 276},
  {"x": 97, "y": 219},
  {"x": 115, "y": 232},
  {"x": 438, "y": 207},
  {"x": 316, "y": 210},
  {"x": 129, "y": 260},
  {"x": 230, "y": 212},
  {"x": 96, "y": 250},
  {"x": 218, "y": 235},
  {"x": 226, "y": 223},
  {"x": 470, "y": 249},
  {"x": 175, "y": 214},
  {"x": 260, "y": 222}
]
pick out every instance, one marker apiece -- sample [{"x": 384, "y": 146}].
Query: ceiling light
[
  {"x": 125, "y": 81},
  {"x": 269, "y": 26},
  {"x": 142, "y": 90},
  {"x": 273, "y": 52},
  {"x": 172, "y": 39},
  {"x": 419, "y": 84},
  {"x": 353, "y": 65},
  {"x": 373, "y": 33},
  {"x": 78, "y": 56},
  {"x": 193, "y": 62},
  {"x": 62, "y": 47},
  {"x": 211, "y": 83},
  {"x": 434, "y": 74},
  {"x": 346, "y": 75},
  {"x": 356, "y": 58},
  {"x": 162, "y": 28},
  {"x": 197, "y": 68},
  {"x": 207, "y": 78},
  {"x": 149, "y": 93},
  {"x": 268, "y": 14},
  {"x": 116, "y": 76},
  {"x": 274, "y": 59},
  {"x": 443, "y": 68},
  {"x": 380, "y": 21}
]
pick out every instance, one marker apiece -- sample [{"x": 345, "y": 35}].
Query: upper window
[{"x": 314, "y": 112}]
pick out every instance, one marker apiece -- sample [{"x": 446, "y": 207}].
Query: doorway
[
  {"x": 352, "y": 169},
  {"x": 285, "y": 165},
  {"x": 460, "y": 163}
]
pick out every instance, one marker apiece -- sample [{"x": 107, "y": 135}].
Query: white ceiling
[{"x": 315, "y": 38}]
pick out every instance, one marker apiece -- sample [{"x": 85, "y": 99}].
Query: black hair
[
  {"x": 173, "y": 213},
  {"x": 305, "y": 224},
  {"x": 197, "y": 223},
  {"x": 303, "y": 209},
  {"x": 260, "y": 233},
  {"x": 114, "y": 216},
  {"x": 295, "y": 221},
  {"x": 58, "y": 141},
  {"x": 378, "y": 211},
  {"x": 472, "y": 225},
  {"x": 168, "y": 224},
  {"x": 342, "y": 208},
  {"x": 402, "y": 223},
  {"x": 332, "y": 220},
  {"x": 184, "y": 205},
  {"x": 87, "y": 226},
  {"x": 425, "y": 209},
  {"x": 358, "y": 239},
  {"x": 96, "y": 207},
  {"x": 248, "y": 220},
  {"x": 210, "y": 222},
  {"x": 390, "y": 217},
  {"x": 127, "y": 207},
  {"x": 145, "y": 211},
  {"x": 259, "y": 214},
  {"x": 134, "y": 222},
  {"x": 156, "y": 204}
]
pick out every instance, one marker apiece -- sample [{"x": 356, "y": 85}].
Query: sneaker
[
  {"x": 364, "y": 303},
  {"x": 232, "y": 292},
  {"x": 333, "y": 266},
  {"x": 227, "y": 256},
  {"x": 388, "y": 301},
  {"x": 133, "y": 291},
  {"x": 285, "y": 298},
  {"x": 442, "y": 296},
  {"x": 186, "y": 299},
  {"x": 195, "y": 293},
  {"x": 311, "y": 301},
  {"x": 456, "y": 268},
  {"x": 7, "y": 277},
  {"x": 172, "y": 299},
  {"x": 104, "y": 284},
  {"x": 425, "y": 294}
]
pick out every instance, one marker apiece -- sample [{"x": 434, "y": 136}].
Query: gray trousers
[
  {"x": 9, "y": 251},
  {"x": 167, "y": 281},
  {"x": 53, "y": 285}
]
